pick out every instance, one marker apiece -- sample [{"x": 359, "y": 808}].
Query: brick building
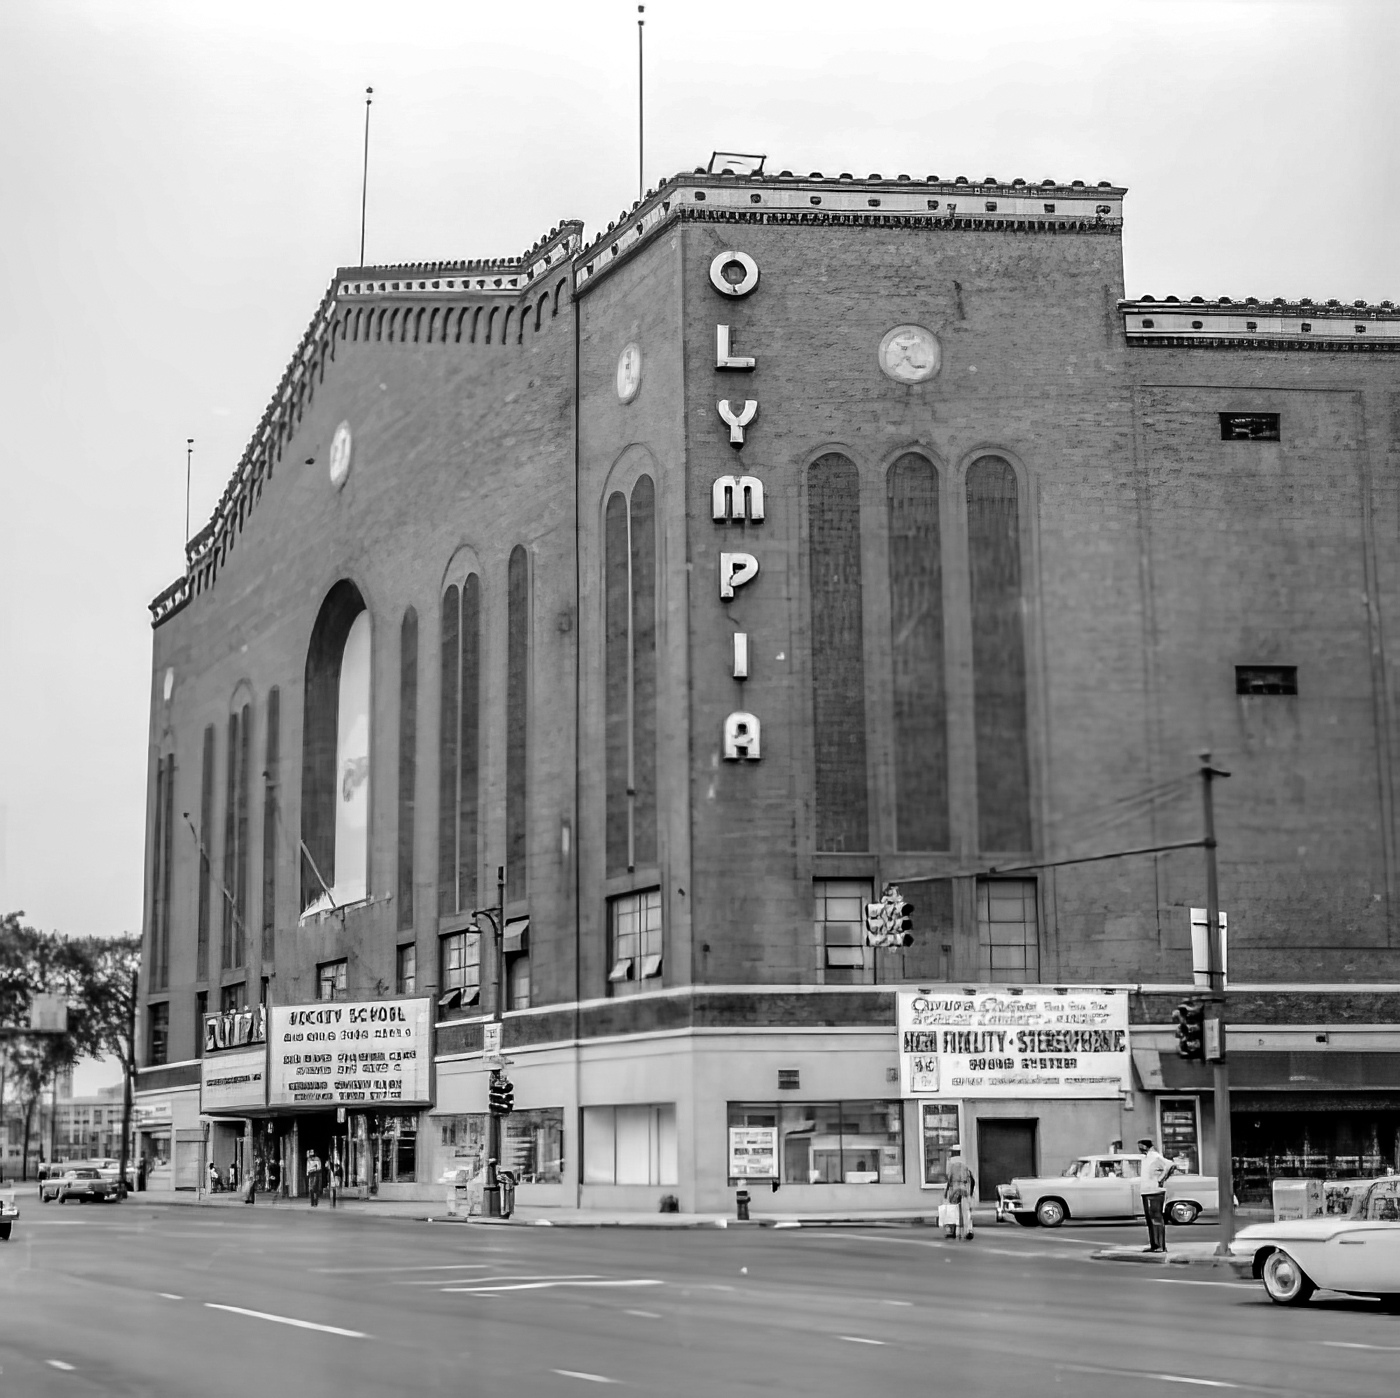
[{"x": 792, "y": 537}]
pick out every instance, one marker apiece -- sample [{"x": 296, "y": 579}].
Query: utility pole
[
  {"x": 128, "y": 1065},
  {"x": 1224, "y": 1164},
  {"x": 491, "y": 1194}
]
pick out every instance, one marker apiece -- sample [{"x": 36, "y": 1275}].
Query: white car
[
  {"x": 1101, "y": 1186},
  {"x": 9, "y": 1211},
  {"x": 1356, "y": 1252}
]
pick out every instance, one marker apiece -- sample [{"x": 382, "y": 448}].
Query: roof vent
[
  {"x": 1198, "y": 300},
  {"x": 903, "y": 179},
  {"x": 1017, "y": 181},
  {"x": 1173, "y": 298},
  {"x": 1147, "y": 298},
  {"x": 1076, "y": 184},
  {"x": 876, "y": 175},
  {"x": 961, "y": 179}
]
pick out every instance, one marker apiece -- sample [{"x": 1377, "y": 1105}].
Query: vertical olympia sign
[{"x": 736, "y": 498}]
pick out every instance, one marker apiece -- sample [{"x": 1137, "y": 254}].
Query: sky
[{"x": 181, "y": 181}]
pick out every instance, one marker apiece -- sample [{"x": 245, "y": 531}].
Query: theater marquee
[
  {"x": 991, "y": 1043},
  {"x": 350, "y": 1053}
]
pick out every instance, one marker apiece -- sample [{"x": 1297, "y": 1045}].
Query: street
[{"x": 151, "y": 1299}]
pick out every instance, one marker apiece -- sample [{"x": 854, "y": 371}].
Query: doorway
[{"x": 1005, "y": 1149}]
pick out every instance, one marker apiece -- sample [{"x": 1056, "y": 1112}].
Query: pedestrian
[
  {"x": 313, "y": 1177},
  {"x": 272, "y": 1178},
  {"x": 141, "y": 1175},
  {"x": 213, "y": 1178},
  {"x": 1155, "y": 1170},
  {"x": 335, "y": 1181},
  {"x": 233, "y": 1176},
  {"x": 958, "y": 1190}
]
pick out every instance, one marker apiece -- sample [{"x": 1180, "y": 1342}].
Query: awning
[
  {"x": 1304, "y": 1071},
  {"x": 516, "y": 935}
]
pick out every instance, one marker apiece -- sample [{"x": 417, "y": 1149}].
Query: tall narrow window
[
  {"x": 1008, "y": 930},
  {"x": 235, "y": 872},
  {"x": 162, "y": 841},
  {"x": 840, "y": 927},
  {"x": 459, "y": 741},
  {"x": 206, "y": 834},
  {"x": 272, "y": 779},
  {"x": 408, "y": 760},
  {"x": 201, "y": 1008},
  {"x": 517, "y": 719},
  {"x": 630, "y": 664},
  {"x": 916, "y": 648},
  {"x": 158, "y": 1033},
  {"x": 838, "y": 664},
  {"x": 335, "y": 777},
  {"x": 998, "y": 656}
]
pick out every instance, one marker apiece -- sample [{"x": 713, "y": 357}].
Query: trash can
[
  {"x": 507, "y": 1181},
  {"x": 741, "y": 1200}
]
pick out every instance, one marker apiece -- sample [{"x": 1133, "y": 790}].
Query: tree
[{"x": 105, "y": 971}]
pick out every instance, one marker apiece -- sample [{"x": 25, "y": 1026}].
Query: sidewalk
[
  {"x": 437, "y": 1211},
  {"x": 1178, "y": 1255}
]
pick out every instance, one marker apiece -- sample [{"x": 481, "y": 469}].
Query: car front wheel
[
  {"x": 1286, "y": 1283},
  {"x": 1182, "y": 1211},
  {"x": 1050, "y": 1213}
]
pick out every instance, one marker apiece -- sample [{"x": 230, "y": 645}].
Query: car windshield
[
  {"x": 1380, "y": 1203},
  {"x": 86, "y": 1174}
]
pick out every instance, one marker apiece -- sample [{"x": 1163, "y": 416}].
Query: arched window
[
  {"x": 408, "y": 759},
  {"x": 998, "y": 656},
  {"x": 491, "y": 323},
  {"x": 838, "y": 654},
  {"x": 918, "y": 687},
  {"x": 335, "y": 775},
  {"x": 235, "y": 872},
  {"x": 459, "y": 771},
  {"x": 630, "y": 679},
  {"x": 206, "y": 835},
  {"x": 162, "y": 840},
  {"x": 272, "y": 782},
  {"x": 517, "y": 715}
]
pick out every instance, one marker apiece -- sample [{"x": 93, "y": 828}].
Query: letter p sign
[
  {"x": 735, "y": 569},
  {"x": 741, "y": 738}
]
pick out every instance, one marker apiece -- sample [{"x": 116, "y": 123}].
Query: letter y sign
[{"x": 738, "y": 421}]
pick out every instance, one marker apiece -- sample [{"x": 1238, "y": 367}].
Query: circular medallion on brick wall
[
  {"x": 340, "y": 455},
  {"x": 629, "y": 373},
  {"x": 910, "y": 354}
]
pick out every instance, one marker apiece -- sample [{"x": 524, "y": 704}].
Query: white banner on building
[
  {"x": 350, "y": 1053},
  {"x": 233, "y": 1081},
  {"x": 991, "y": 1043}
]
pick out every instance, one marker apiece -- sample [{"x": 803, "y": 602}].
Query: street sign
[{"x": 491, "y": 1039}]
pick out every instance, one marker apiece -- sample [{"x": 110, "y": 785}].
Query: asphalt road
[{"x": 146, "y": 1299}]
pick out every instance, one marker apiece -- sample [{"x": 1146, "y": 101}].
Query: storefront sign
[
  {"x": 753, "y": 1152},
  {"x": 153, "y": 1112},
  {"x": 355, "y": 1053},
  {"x": 235, "y": 1028},
  {"x": 990, "y": 1043},
  {"x": 233, "y": 1081}
]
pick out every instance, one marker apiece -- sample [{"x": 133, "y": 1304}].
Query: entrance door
[{"x": 1005, "y": 1149}]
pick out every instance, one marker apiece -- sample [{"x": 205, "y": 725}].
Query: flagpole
[
  {"x": 641, "y": 178},
  {"x": 364, "y": 178},
  {"x": 189, "y": 453}
]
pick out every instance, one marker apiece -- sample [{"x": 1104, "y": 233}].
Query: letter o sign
[{"x": 721, "y": 282}]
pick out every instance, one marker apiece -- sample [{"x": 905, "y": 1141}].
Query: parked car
[
  {"x": 83, "y": 1183},
  {"x": 9, "y": 1211},
  {"x": 110, "y": 1169},
  {"x": 1357, "y": 1252},
  {"x": 1101, "y": 1186}
]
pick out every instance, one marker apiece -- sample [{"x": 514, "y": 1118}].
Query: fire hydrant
[{"x": 741, "y": 1199}]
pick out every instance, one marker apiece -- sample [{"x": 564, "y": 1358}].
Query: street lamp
[{"x": 491, "y": 1194}]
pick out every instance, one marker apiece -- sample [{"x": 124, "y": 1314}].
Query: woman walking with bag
[{"x": 957, "y": 1194}]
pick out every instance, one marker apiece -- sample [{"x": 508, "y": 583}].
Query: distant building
[{"x": 794, "y": 536}]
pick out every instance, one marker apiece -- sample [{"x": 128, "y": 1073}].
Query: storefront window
[
  {"x": 938, "y": 1127},
  {"x": 852, "y": 1142},
  {"x": 630, "y": 1144},
  {"x": 398, "y": 1149},
  {"x": 532, "y": 1143},
  {"x": 1181, "y": 1136}
]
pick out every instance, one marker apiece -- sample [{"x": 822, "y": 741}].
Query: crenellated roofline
[{"x": 1280, "y": 324}]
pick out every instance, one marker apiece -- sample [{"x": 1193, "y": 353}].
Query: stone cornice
[{"x": 1250, "y": 324}]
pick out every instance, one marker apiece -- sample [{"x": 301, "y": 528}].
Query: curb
[{"x": 1166, "y": 1259}]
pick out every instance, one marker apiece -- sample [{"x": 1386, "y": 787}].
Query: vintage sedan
[
  {"x": 1356, "y": 1252},
  {"x": 9, "y": 1212},
  {"x": 82, "y": 1183},
  {"x": 1101, "y": 1186}
]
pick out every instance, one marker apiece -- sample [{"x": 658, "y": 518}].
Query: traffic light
[
  {"x": 501, "y": 1095},
  {"x": 902, "y": 923},
  {"x": 876, "y": 924},
  {"x": 1190, "y": 1018}
]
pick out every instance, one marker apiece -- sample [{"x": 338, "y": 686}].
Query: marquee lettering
[
  {"x": 737, "y": 421},
  {"x": 735, "y": 569},
  {"x": 737, "y": 498}
]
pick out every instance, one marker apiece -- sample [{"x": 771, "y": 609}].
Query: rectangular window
[
  {"x": 630, "y": 1145},
  {"x": 459, "y": 957},
  {"x": 518, "y": 982},
  {"x": 635, "y": 934},
  {"x": 398, "y": 1149},
  {"x": 158, "y": 1033},
  {"x": 532, "y": 1143},
  {"x": 234, "y": 997},
  {"x": 1266, "y": 679},
  {"x": 852, "y": 1142},
  {"x": 1008, "y": 935},
  {"x": 1179, "y": 1130},
  {"x": 840, "y": 924},
  {"x": 1249, "y": 427},
  {"x": 201, "y": 1008},
  {"x": 330, "y": 980},
  {"x": 406, "y": 969},
  {"x": 938, "y": 1131}
]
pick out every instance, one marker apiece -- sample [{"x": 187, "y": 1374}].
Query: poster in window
[
  {"x": 992, "y": 1043},
  {"x": 1180, "y": 1133},
  {"x": 753, "y": 1152}
]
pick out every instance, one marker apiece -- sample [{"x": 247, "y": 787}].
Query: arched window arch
[
  {"x": 629, "y": 531},
  {"x": 393, "y": 322},
  {"x": 505, "y": 328},
  {"x": 838, "y": 654},
  {"x": 491, "y": 323},
  {"x": 408, "y": 760},
  {"x": 459, "y": 747},
  {"x": 539, "y": 310},
  {"x": 335, "y": 776},
  {"x": 235, "y": 869},
  {"x": 558, "y": 292},
  {"x": 272, "y": 781},
  {"x": 418, "y": 323},
  {"x": 433, "y": 324},
  {"x": 998, "y": 655},
  {"x": 162, "y": 848},
  {"x": 918, "y": 688}
]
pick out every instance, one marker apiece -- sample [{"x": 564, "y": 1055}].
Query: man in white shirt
[{"x": 1155, "y": 1169}]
